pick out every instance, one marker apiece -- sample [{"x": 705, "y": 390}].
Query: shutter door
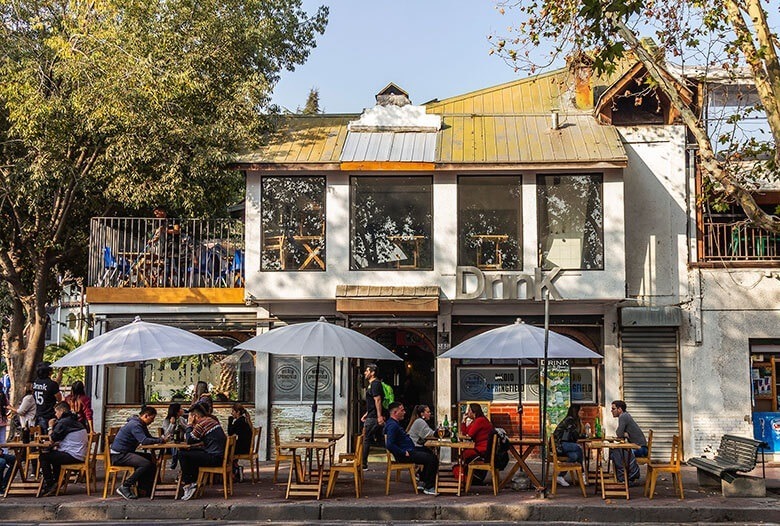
[{"x": 651, "y": 384}]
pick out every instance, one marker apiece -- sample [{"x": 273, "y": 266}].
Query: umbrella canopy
[
  {"x": 519, "y": 341},
  {"x": 138, "y": 342},
  {"x": 318, "y": 338}
]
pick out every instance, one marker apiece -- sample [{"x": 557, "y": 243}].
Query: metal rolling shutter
[{"x": 651, "y": 385}]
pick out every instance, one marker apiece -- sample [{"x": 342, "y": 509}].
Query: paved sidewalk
[{"x": 265, "y": 502}]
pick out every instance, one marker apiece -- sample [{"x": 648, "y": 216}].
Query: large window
[
  {"x": 391, "y": 223},
  {"x": 490, "y": 222},
  {"x": 293, "y": 214},
  {"x": 571, "y": 223}
]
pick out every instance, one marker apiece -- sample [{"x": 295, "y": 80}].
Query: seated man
[
  {"x": 134, "y": 433},
  {"x": 627, "y": 428},
  {"x": 403, "y": 449},
  {"x": 7, "y": 462},
  {"x": 70, "y": 442},
  {"x": 202, "y": 427}
]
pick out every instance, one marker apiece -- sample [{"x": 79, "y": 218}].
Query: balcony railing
[
  {"x": 149, "y": 252},
  {"x": 735, "y": 241}
]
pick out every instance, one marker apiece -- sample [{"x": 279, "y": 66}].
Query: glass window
[
  {"x": 293, "y": 215},
  {"x": 490, "y": 222},
  {"x": 391, "y": 223},
  {"x": 571, "y": 225}
]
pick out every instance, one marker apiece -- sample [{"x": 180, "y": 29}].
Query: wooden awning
[{"x": 376, "y": 299}]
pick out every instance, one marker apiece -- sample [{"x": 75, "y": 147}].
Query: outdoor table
[
  {"x": 526, "y": 446},
  {"x": 331, "y": 437},
  {"x": 22, "y": 486},
  {"x": 446, "y": 485},
  {"x": 610, "y": 488},
  {"x": 592, "y": 450},
  {"x": 160, "y": 488},
  {"x": 306, "y": 488}
]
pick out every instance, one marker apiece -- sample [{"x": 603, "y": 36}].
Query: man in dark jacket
[
  {"x": 202, "y": 427},
  {"x": 404, "y": 450},
  {"x": 70, "y": 440},
  {"x": 134, "y": 433}
]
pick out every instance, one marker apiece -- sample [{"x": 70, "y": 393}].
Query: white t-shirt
[{"x": 75, "y": 444}]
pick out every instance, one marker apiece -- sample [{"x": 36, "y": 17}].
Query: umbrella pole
[
  {"x": 544, "y": 392},
  {"x": 520, "y": 398},
  {"x": 143, "y": 384},
  {"x": 314, "y": 407}
]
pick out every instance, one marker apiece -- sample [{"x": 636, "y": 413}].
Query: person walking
[{"x": 372, "y": 419}]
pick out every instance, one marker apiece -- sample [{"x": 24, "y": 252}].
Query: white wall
[{"x": 291, "y": 285}]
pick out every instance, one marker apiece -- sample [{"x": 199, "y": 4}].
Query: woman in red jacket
[{"x": 479, "y": 428}]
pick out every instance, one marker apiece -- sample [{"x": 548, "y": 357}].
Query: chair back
[
  {"x": 92, "y": 447},
  {"x": 108, "y": 258},
  {"x": 255, "y": 447},
  {"x": 649, "y": 445},
  {"x": 553, "y": 451},
  {"x": 277, "y": 449},
  {"x": 676, "y": 457},
  {"x": 35, "y": 431},
  {"x": 230, "y": 449},
  {"x": 357, "y": 461}
]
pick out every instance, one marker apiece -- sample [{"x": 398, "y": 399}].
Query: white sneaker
[
  {"x": 189, "y": 491},
  {"x": 562, "y": 481},
  {"x": 430, "y": 491}
]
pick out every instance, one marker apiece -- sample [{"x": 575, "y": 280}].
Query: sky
[{"x": 430, "y": 48}]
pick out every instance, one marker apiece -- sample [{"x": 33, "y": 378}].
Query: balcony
[
  {"x": 734, "y": 242},
  {"x": 140, "y": 254}
]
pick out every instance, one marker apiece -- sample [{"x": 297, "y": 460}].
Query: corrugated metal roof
[
  {"x": 390, "y": 146},
  {"x": 527, "y": 139},
  {"x": 304, "y": 139}
]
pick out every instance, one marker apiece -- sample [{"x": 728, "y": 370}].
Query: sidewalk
[{"x": 265, "y": 502}]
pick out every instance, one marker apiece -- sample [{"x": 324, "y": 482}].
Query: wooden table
[
  {"x": 526, "y": 446},
  {"x": 496, "y": 240},
  {"x": 446, "y": 485},
  {"x": 331, "y": 437},
  {"x": 23, "y": 486},
  {"x": 610, "y": 488},
  {"x": 160, "y": 488},
  {"x": 306, "y": 488}
]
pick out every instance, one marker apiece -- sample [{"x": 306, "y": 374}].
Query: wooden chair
[
  {"x": 560, "y": 466},
  {"x": 398, "y": 467},
  {"x": 672, "y": 467},
  {"x": 253, "y": 455},
  {"x": 112, "y": 471},
  {"x": 225, "y": 470},
  {"x": 32, "y": 455},
  {"x": 284, "y": 457},
  {"x": 353, "y": 466},
  {"x": 82, "y": 468},
  {"x": 482, "y": 465},
  {"x": 646, "y": 460}
]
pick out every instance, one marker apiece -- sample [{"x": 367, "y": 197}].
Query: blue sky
[{"x": 430, "y": 48}]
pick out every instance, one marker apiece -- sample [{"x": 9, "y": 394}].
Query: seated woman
[
  {"x": 476, "y": 425},
  {"x": 418, "y": 428},
  {"x": 174, "y": 421},
  {"x": 566, "y": 434},
  {"x": 240, "y": 424}
]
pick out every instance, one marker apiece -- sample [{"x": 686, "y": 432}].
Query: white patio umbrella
[
  {"x": 320, "y": 339},
  {"x": 138, "y": 342}
]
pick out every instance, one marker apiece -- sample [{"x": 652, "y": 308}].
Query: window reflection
[
  {"x": 571, "y": 222},
  {"x": 490, "y": 222},
  {"x": 391, "y": 223},
  {"x": 293, "y": 215}
]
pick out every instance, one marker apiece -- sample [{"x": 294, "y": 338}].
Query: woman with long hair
[
  {"x": 240, "y": 424},
  {"x": 202, "y": 396},
  {"x": 476, "y": 425},
  {"x": 26, "y": 409},
  {"x": 174, "y": 421},
  {"x": 418, "y": 428},
  {"x": 566, "y": 435},
  {"x": 80, "y": 404}
]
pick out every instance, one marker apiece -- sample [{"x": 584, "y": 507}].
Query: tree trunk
[{"x": 23, "y": 351}]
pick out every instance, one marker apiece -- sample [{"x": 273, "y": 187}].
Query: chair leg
[
  {"x": 413, "y": 479},
  {"x": 678, "y": 478},
  {"x": 652, "y": 485},
  {"x": 227, "y": 482},
  {"x": 331, "y": 483},
  {"x": 387, "y": 482},
  {"x": 60, "y": 480},
  {"x": 357, "y": 485},
  {"x": 554, "y": 488},
  {"x": 582, "y": 483},
  {"x": 276, "y": 470}
]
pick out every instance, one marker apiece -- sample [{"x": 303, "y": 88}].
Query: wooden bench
[{"x": 735, "y": 455}]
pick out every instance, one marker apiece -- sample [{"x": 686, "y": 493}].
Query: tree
[
  {"x": 121, "y": 105},
  {"x": 312, "y": 106},
  {"x": 722, "y": 34}
]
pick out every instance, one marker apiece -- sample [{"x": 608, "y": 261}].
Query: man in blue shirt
[
  {"x": 131, "y": 435},
  {"x": 403, "y": 449}
]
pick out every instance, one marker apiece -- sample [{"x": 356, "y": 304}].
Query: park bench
[{"x": 735, "y": 455}]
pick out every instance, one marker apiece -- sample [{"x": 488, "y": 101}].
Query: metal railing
[
  {"x": 170, "y": 252},
  {"x": 735, "y": 241}
]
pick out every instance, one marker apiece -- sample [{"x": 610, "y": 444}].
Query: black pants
[
  {"x": 429, "y": 462},
  {"x": 51, "y": 462},
  {"x": 144, "y": 469},
  {"x": 371, "y": 437},
  {"x": 192, "y": 459}
]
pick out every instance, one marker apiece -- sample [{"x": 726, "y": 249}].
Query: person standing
[
  {"x": 26, "y": 409},
  {"x": 80, "y": 404},
  {"x": 373, "y": 418},
  {"x": 627, "y": 428},
  {"x": 46, "y": 393},
  {"x": 131, "y": 435},
  {"x": 71, "y": 440},
  {"x": 400, "y": 444},
  {"x": 202, "y": 428}
]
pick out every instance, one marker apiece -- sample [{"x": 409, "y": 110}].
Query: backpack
[
  {"x": 388, "y": 397},
  {"x": 502, "y": 448}
]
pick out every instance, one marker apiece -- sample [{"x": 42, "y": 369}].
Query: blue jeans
[
  {"x": 573, "y": 451},
  {"x": 7, "y": 462}
]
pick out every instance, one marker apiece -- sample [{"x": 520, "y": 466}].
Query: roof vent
[
  {"x": 555, "y": 120},
  {"x": 392, "y": 95}
]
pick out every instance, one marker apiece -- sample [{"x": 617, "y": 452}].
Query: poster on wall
[
  {"x": 558, "y": 385},
  {"x": 497, "y": 384},
  {"x": 583, "y": 385},
  {"x": 289, "y": 385}
]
